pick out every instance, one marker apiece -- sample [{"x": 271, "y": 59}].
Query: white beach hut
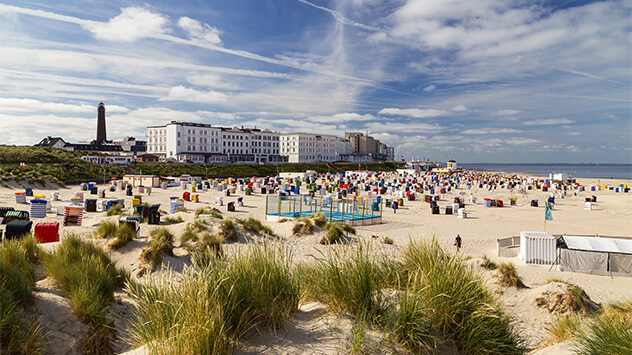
[{"x": 537, "y": 248}]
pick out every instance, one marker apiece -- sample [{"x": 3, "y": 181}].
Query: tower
[{"x": 101, "y": 135}]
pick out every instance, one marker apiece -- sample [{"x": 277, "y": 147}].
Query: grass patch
[
  {"x": 336, "y": 233},
  {"x": 609, "y": 333},
  {"x": 463, "y": 310},
  {"x": 18, "y": 334},
  {"x": 412, "y": 325},
  {"x": 303, "y": 226},
  {"x": 123, "y": 235},
  {"x": 320, "y": 220},
  {"x": 173, "y": 220},
  {"x": 564, "y": 328},
  {"x": 106, "y": 229},
  {"x": 207, "y": 250},
  {"x": 161, "y": 244},
  {"x": 182, "y": 209},
  {"x": 386, "y": 240},
  {"x": 508, "y": 276},
  {"x": 88, "y": 277},
  {"x": 488, "y": 264},
  {"x": 115, "y": 210},
  {"x": 209, "y": 311},
  {"x": 189, "y": 234},
  {"x": 31, "y": 249},
  {"x": 348, "y": 281},
  {"x": 228, "y": 230},
  {"x": 254, "y": 225},
  {"x": 214, "y": 212}
]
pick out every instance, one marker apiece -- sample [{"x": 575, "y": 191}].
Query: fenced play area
[{"x": 353, "y": 210}]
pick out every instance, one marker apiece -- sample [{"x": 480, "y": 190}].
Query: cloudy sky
[{"x": 476, "y": 81}]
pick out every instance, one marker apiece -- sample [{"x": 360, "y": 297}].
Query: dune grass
[
  {"x": 189, "y": 234},
  {"x": 609, "y": 333},
  {"x": 161, "y": 244},
  {"x": 411, "y": 324},
  {"x": 214, "y": 212},
  {"x": 106, "y": 229},
  {"x": 213, "y": 306},
  {"x": 123, "y": 235},
  {"x": 336, "y": 233},
  {"x": 209, "y": 248},
  {"x": 320, "y": 220},
  {"x": 228, "y": 230},
  {"x": 488, "y": 264},
  {"x": 564, "y": 328},
  {"x": 303, "y": 226},
  {"x": 254, "y": 225},
  {"x": 348, "y": 281},
  {"x": 18, "y": 334},
  {"x": 463, "y": 310},
  {"x": 88, "y": 277},
  {"x": 386, "y": 240},
  {"x": 173, "y": 220},
  {"x": 118, "y": 234},
  {"x": 115, "y": 210},
  {"x": 508, "y": 276}
]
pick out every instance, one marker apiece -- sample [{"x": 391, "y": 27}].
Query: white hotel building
[
  {"x": 308, "y": 147},
  {"x": 203, "y": 143}
]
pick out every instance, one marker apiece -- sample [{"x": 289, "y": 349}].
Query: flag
[{"x": 548, "y": 216}]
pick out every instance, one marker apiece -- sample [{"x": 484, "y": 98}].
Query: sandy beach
[{"x": 312, "y": 330}]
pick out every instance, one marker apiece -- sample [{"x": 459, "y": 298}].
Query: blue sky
[{"x": 476, "y": 81}]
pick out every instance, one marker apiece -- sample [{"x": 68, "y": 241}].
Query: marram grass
[{"x": 213, "y": 306}]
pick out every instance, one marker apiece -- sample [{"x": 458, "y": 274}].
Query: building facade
[
  {"x": 203, "y": 143},
  {"x": 308, "y": 147}
]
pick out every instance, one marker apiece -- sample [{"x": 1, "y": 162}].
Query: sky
[{"x": 498, "y": 81}]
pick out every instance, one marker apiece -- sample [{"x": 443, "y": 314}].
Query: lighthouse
[{"x": 101, "y": 135}]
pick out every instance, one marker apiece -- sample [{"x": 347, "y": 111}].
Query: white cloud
[
  {"x": 343, "y": 117},
  {"x": 131, "y": 25},
  {"x": 548, "y": 122},
  {"x": 413, "y": 112},
  {"x": 507, "y": 112},
  {"x": 429, "y": 88},
  {"x": 459, "y": 108},
  {"x": 31, "y": 105},
  {"x": 608, "y": 116},
  {"x": 200, "y": 32},
  {"x": 399, "y": 127},
  {"x": 219, "y": 115},
  {"x": 574, "y": 134},
  {"x": 489, "y": 130},
  {"x": 522, "y": 141},
  {"x": 181, "y": 93}
]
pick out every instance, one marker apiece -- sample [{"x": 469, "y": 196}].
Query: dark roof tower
[{"x": 101, "y": 135}]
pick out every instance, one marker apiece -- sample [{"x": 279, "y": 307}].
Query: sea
[{"x": 589, "y": 171}]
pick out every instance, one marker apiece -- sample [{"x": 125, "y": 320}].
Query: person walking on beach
[{"x": 457, "y": 243}]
